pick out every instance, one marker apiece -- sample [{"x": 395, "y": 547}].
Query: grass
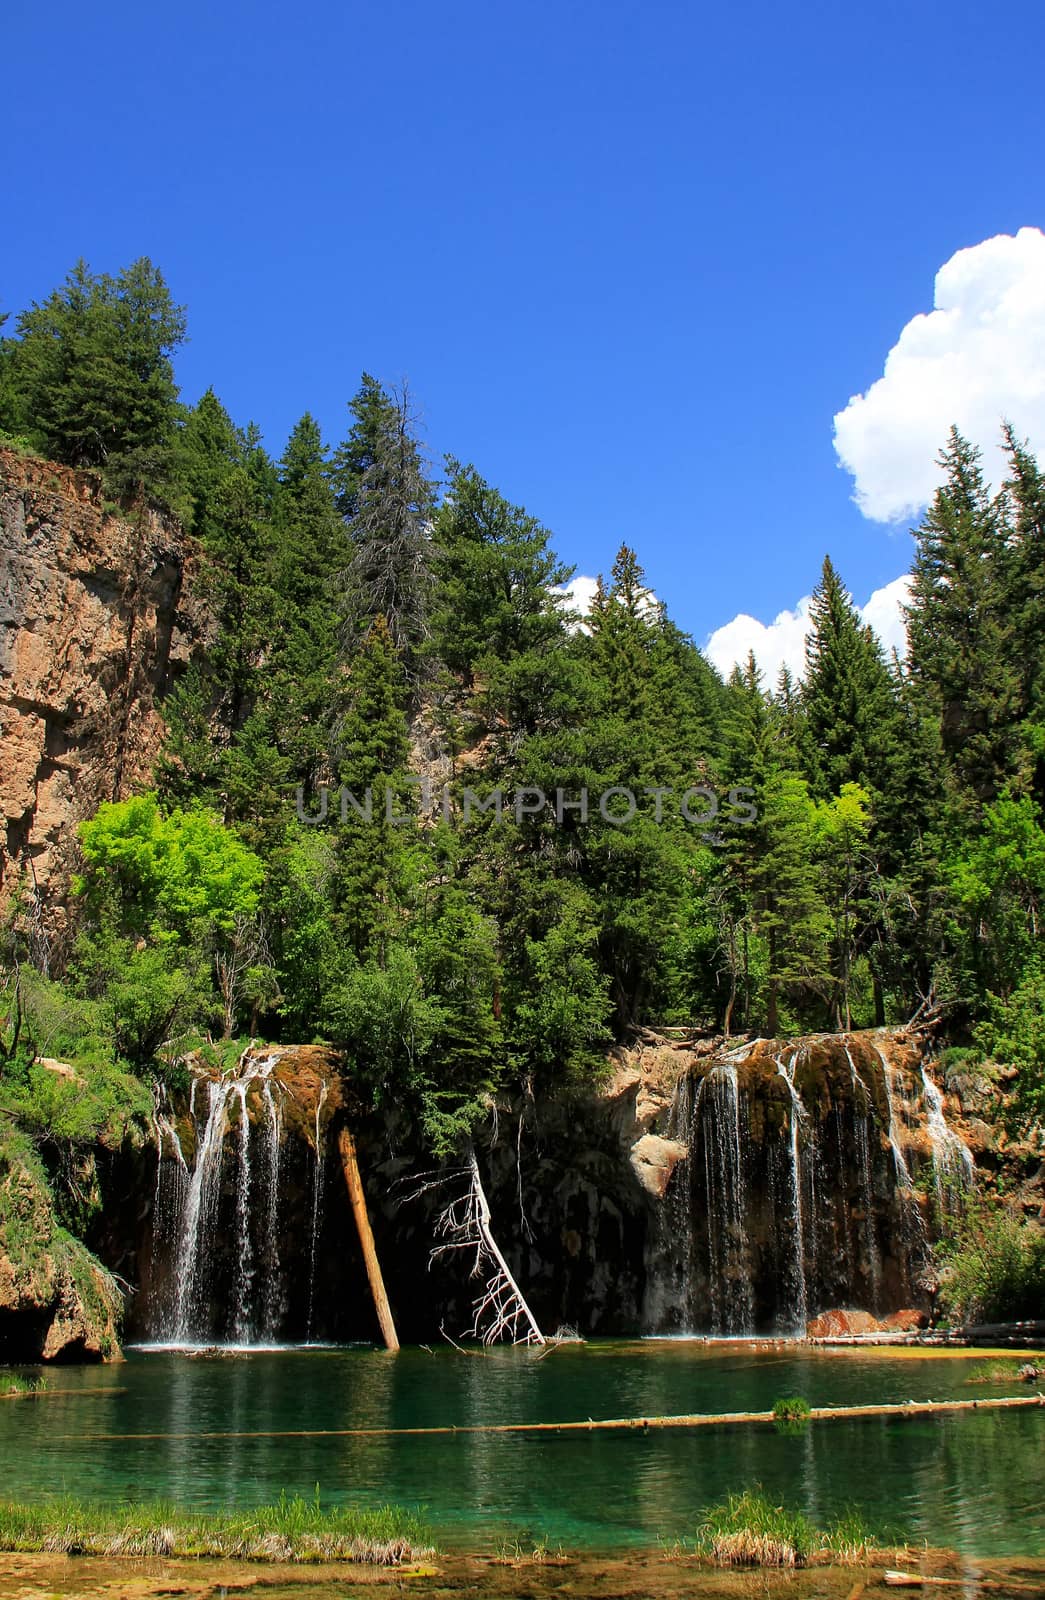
[
  {"x": 748, "y": 1530},
  {"x": 791, "y": 1409},
  {"x": 12, "y": 1383},
  {"x": 293, "y": 1529}
]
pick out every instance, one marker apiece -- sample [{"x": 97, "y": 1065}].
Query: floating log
[
  {"x": 700, "y": 1419},
  {"x": 354, "y": 1183}
]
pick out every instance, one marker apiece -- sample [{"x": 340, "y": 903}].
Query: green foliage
[
  {"x": 749, "y": 1530},
  {"x": 184, "y": 869},
  {"x": 292, "y": 1529},
  {"x": 1014, "y": 1031},
  {"x": 872, "y": 841},
  {"x": 78, "y": 1108},
  {"x": 90, "y": 379},
  {"x": 791, "y": 1408},
  {"x": 992, "y": 1266},
  {"x": 148, "y": 994},
  {"x": 13, "y": 1384}
]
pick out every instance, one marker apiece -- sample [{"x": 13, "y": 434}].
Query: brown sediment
[{"x": 631, "y": 1575}]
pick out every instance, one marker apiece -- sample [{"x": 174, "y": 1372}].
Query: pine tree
[
  {"x": 961, "y": 657},
  {"x": 373, "y": 412},
  {"x": 372, "y": 749},
  {"x": 849, "y": 711},
  {"x": 91, "y": 374},
  {"x": 495, "y": 573},
  {"x": 389, "y": 569},
  {"x": 1025, "y": 488}
]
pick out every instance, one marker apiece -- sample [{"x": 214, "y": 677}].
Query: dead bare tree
[
  {"x": 245, "y": 973},
  {"x": 500, "y": 1310}
]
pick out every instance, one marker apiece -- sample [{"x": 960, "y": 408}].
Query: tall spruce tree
[
  {"x": 389, "y": 568},
  {"x": 961, "y": 657},
  {"x": 850, "y": 725}
]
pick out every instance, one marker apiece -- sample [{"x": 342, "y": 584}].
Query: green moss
[{"x": 50, "y": 1268}]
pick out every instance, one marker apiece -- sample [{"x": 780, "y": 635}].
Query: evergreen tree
[
  {"x": 91, "y": 378},
  {"x": 1026, "y": 599},
  {"x": 850, "y": 726},
  {"x": 495, "y": 574},
  {"x": 373, "y": 413},
  {"x": 961, "y": 660},
  {"x": 389, "y": 568}
]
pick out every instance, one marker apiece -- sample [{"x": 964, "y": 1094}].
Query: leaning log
[{"x": 354, "y": 1184}]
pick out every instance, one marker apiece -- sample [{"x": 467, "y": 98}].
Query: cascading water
[
  {"x": 273, "y": 1301},
  {"x": 953, "y": 1169},
  {"x": 862, "y": 1119},
  {"x": 188, "y": 1202},
  {"x": 903, "y": 1174},
  {"x": 796, "y": 1195},
  {"x": 795, "y": 1304},
  {"x": 319, "y": 1173},
  {"x": 718, "y": 1105}
]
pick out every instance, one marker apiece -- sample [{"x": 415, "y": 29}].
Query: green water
[{"x": 972, "y": 1481}]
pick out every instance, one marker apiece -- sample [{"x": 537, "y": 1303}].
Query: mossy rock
[{"x": 57, "y": 1303}]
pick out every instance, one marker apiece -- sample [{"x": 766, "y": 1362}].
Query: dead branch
[{"x": 500, "y": 1311}]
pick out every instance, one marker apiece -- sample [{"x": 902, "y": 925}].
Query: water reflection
[{"x": 219, "y": 1430}]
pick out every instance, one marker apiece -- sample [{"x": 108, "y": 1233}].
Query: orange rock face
[
  {"x": 905, "y": 1321},
  {"x": 840, "y": 1324},
  {"x": 96, "y": 620}
]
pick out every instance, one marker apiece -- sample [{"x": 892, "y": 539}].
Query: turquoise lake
[{"x": 216, "y": 1430}]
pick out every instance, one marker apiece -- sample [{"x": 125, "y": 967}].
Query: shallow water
[{"x": 214, "y": 1430}]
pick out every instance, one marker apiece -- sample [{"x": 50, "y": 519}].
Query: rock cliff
[
  {"x": 97, "y": 616},
  {"x": 56, "y": 1301}
]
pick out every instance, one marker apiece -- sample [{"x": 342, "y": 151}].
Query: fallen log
[
  {"x": 357, "y": 1195},
  {"x": 699, "y": 1419},
  {"x": 917, "y": 1580}
]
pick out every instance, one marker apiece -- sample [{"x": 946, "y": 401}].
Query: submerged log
[{"x": 356, "y": 1194}]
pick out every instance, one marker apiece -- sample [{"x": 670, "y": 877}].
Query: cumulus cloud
[
  {"x": 782, "y": 642},
  {"x": 578, "y": 594},
  {"x": 977, "y": 357}
]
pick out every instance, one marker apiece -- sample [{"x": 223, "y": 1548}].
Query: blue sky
[{"x": 632, "y": 258}]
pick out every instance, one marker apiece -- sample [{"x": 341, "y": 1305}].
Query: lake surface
[{"x": 216, "y": 1430}]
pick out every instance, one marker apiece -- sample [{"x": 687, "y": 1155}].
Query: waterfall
[
  {"x": 718, "y": 1104},
  {"x": 862, "y": 1137},
  {"x": 953, "y": 1168},
  {"x": 199, "y": 1214},
  {"x": 796, "y": 1305},
  {"x": 241, "y": 1293},
  {"x": 188, "y": 1203},
  {"x": 319, "y": 1172},
  {"x": 172, "y": 1178},
  {"x": 273, "y": 1306},
  {"x": 903, "y": 1173}
]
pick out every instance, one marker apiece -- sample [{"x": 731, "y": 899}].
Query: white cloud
[
  {"x": 883, "y": 612},
  {"x": 776, "y": 644},
  {"x": 579, "y": 594},
  {"x": 977, "y": 358},
  {"x": 782, "y": 642}
]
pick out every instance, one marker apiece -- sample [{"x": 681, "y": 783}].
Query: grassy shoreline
[{"x": 291, "y": 1530}]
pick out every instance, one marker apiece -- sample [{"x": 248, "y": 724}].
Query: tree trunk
[{"x": 354, "y": 1183}]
